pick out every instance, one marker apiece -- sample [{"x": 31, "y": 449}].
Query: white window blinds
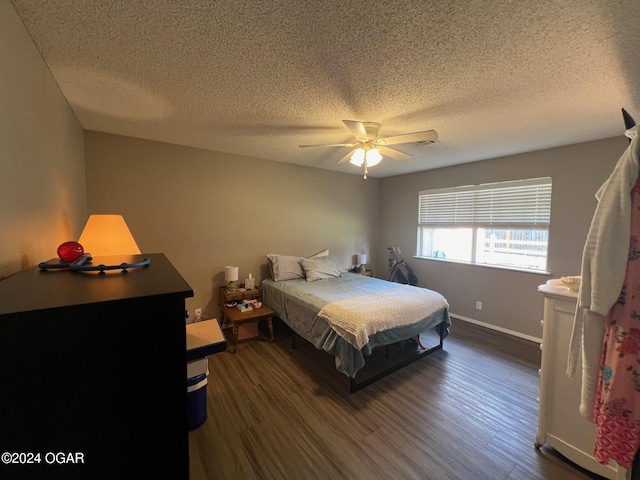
[{"x": 523, "y": 203}]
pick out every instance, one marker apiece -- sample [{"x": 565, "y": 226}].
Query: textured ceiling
[{"x": 258, "y": 78}]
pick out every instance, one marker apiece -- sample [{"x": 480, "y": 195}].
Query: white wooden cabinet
[{"x": 560, "y": 424}]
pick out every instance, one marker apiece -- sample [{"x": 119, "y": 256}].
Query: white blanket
[
  {"x": 604, "y": 264},
  {"x": 356, "y": 319}
]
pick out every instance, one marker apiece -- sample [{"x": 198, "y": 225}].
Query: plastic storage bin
[{"x": 197, "y": 373}]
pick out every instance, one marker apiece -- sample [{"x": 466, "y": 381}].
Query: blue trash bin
[{"x": 197, "y": 373}]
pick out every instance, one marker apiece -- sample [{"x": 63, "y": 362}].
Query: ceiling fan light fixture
[
  {"x": 373, "y": 157},
  {"x": 358, "y": 157},
  {"x": 369, "y": 149}
]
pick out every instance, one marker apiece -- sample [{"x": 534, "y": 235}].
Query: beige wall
[
  {"x": 42, "y": 185},
  {"x": 205, "y": 210},
  {"x": 510, "y": 299}
]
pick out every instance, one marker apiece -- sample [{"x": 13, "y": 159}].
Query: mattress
[{"x": 349, "y": 316}]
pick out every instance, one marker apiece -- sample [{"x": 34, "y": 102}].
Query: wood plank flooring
[{"x": 466, "y": 412}]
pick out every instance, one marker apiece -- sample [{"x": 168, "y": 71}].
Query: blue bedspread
[{"x": 298, "y": 302}]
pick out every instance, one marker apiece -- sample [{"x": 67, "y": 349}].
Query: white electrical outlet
[
  {"x": 478, "y": 306},
  {"x": 198, "y": 312}
]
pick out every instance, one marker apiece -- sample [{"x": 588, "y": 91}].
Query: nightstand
[
  {"x": 237, "y": 318},
  {"x": 366, "y": 273}
]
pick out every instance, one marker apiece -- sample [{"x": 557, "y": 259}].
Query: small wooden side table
[
  {"x": 234, "y": 296},
  {"x": 366, "y": 273},
  {"x": 238, "y": 318}
]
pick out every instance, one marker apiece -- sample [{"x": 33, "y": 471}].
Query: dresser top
[
  {"x": 557, "y": 291},
  {"x": 36, "y": 289}
]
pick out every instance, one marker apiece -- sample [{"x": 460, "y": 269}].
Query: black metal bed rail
[{"x": 355, "y": 386}]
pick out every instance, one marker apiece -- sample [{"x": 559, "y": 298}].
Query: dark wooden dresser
[{"x": 93, "y": 373}]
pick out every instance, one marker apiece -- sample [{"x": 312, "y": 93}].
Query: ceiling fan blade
[
  {"x": 393, "y": 153},
  {"x": 346, "y": 158},
  {"x": 427, "y": 136},
  {"x": 329, "y": 145},
  {"x": 357, "y": 128}
]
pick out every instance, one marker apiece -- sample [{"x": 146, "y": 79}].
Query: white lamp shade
[
  {"x": 373, "y": 157},
  {"x": 358, "y": 157},
  {"x": 230, "y": 273},
  {"x": 108, "y": 235},
  {"x": 361, "y": 259}
]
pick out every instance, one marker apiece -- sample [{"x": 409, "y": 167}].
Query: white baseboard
[{"x": 496, "y": 328}]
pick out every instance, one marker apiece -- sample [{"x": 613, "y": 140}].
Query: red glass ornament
[{"x": 70, "y": 251}]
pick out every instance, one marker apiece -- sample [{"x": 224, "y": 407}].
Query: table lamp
[
  {"x": 231, "y": 277},
  {"x": 361, "y": 258},
  {"x": 108, "y": 235}
]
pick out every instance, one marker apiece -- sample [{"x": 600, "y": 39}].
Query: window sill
[{"x": 498, "y": 267}]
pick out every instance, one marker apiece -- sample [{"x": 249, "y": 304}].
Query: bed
[{"x": 348, "y": 315}]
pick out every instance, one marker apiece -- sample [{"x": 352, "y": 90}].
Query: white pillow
[
  {"x": 321, "y": 267},
  {"x": 287, "y": 267},
  {"x": 284, "y": 267}
]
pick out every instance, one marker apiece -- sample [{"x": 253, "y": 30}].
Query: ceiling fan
[{"x": 368, "y": 149}]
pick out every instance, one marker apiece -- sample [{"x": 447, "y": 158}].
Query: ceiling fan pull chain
[{"x": 365, "y": 168}]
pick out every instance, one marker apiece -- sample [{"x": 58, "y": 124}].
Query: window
[{"x": 502, "y": 224}]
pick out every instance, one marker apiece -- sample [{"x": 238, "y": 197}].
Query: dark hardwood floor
[{"x": 468, "y": 411}]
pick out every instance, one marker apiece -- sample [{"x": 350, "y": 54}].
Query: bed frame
[
  {"x": 410, "y": 310},
  {"x": 355, "y": 386}
]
